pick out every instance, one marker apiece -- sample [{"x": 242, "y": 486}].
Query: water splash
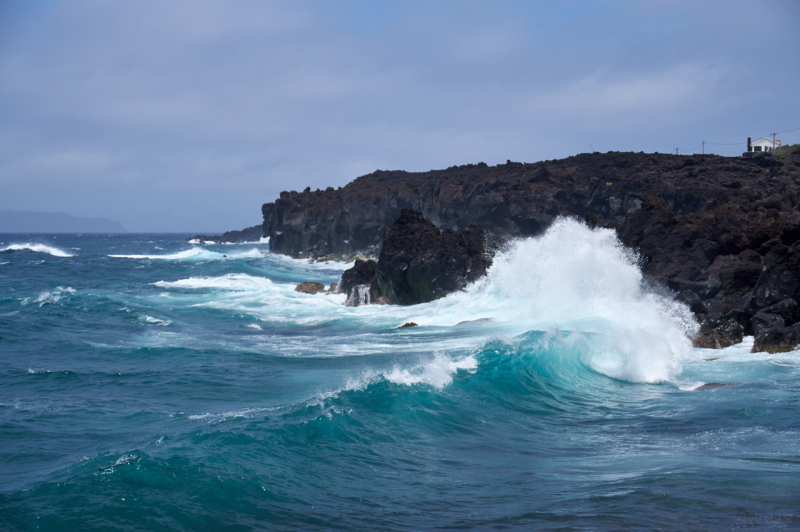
[{"x": 574, "y": 278}]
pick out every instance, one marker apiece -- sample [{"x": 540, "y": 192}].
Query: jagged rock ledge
[{"x": 249, "y": 234}]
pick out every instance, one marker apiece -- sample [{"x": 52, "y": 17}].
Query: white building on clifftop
[{"x": 762, "y": 144}]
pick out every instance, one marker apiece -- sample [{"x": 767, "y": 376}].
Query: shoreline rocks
[
  {"x": 249, "y": 234},
  {"x": 705, "y": 226}
]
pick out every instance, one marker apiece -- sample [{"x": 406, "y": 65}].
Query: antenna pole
[{"x": 704, "y": 148}]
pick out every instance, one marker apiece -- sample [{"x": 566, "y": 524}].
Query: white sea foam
[
  {"x": 233, "y": 281},
  {"x": 256, "y": 296},
  {"x": 308, "y": 264},
  {"x": 262, "y": 240},
  {"x": 438, "y": 372},
  {"x": 223, "y": 416},
  {"x": 38, "y": 248},
  {"x": 196, "y": 254},
  {"x": 50, "y": 296},
  {"x": 254, "y": 326},
  {"x": 155, "y": 321}
]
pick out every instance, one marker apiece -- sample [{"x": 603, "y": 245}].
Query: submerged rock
[
  {"x": 418, "y": 263},
  {"x": 310, "y": 287}
]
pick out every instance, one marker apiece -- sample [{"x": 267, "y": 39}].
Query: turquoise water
[{"x": 150, "y": 384}]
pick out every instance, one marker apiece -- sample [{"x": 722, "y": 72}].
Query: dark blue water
[{"x": 180, "y": 387}]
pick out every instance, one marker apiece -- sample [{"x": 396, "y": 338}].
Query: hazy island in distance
[{"x": 55, "y": 222}]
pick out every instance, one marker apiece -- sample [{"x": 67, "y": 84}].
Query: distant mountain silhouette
[{"x": 55, "y": 222}]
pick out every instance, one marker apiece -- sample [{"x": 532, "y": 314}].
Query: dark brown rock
[
  {"x": 723, "y": 335},
  {"x": 310, "y": 287},
  {"x": 777, "y": 339},
  {"x": 407, "y": 325}
]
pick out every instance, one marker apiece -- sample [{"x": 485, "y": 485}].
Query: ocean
[{"x": 151, "y": 384}]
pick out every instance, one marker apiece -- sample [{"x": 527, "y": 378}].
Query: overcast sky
[{"x": 188, "y": 115}]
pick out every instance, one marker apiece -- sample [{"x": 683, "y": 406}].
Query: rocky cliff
[{"x": 704, "y": 224}]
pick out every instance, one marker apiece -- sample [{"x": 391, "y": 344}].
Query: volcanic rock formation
[
  {"x": 418, "y": 263},
  {"x": 704, "y": 225}
]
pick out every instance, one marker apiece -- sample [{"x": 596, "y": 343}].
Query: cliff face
[{"x": 702, "y": 223}]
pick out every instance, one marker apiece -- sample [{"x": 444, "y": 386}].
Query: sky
[{"x": 187, "y": 115}]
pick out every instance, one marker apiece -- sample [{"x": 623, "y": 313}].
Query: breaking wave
[
  {"x": 582, "y": 280},
  {"x": 38, "y": 248},
  {"x": 572, "y": 280},
  {"x": 51, "y": 296}
]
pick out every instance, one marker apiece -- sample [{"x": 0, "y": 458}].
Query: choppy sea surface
[{"x": 151, "y": 384}]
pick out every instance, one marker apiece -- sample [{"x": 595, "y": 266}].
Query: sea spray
[
  {"x": 571, "y": 278},
  {"x": 579, "y": 279}
]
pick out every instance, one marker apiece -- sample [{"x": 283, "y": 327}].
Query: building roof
[{"x": 767, "y": 139}]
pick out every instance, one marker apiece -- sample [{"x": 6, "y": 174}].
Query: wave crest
[
  {"x": 38, "y": 248},
  {"x": 573, "y": 278}
]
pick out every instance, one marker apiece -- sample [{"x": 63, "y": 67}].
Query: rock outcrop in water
[
  {"x": 310, "y": 287},
  {"x": 249, "y": 234},
  {"x": 418, "y": 263},
  {"x": 704, "y": 225}
]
